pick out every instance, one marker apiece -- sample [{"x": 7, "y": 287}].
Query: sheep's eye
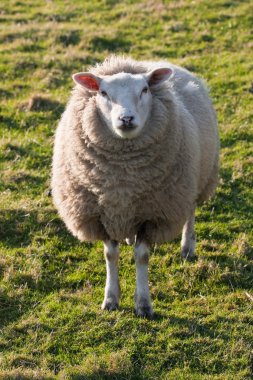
[
  {"x": 104, "y": 94},
  {"x": 145, "y": 90}
]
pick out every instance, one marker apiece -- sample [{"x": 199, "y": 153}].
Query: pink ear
[
  {"x": 87, "y": 80},
  {"x": 159, "y": 75}
]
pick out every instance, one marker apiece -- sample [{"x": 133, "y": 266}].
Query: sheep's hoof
[
  {"x": 110, "y": 304},
  {"x": 187, "y": 254},
  {"x": 144, "y": 312},
  {"x": 143, "y": 309}
]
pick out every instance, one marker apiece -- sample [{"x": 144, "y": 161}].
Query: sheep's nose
[{"x": 126, "y": 119}]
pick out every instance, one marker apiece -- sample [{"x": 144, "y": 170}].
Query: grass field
[{"x": 51, "y": 286}]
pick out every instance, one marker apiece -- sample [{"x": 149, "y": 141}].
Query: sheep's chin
[{"x": 129, "y": 134}]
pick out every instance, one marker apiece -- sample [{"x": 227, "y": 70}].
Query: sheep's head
[{"x": 124, "y": 99}]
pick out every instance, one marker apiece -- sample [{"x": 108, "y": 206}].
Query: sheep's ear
[
  {"x": 89, "y": 81},
  {"x": 158, "y": 76}
]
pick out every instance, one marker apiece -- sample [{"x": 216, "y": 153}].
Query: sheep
[{"x": 136, "y": 150}]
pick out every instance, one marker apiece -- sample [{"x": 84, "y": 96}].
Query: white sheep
[{"x": 135, "y": 151}]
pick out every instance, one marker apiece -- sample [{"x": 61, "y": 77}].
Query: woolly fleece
[{"x": 105, "y": 187}]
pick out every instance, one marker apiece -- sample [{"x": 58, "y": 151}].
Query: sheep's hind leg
[
  {"x": 188, "y": 238},
  {"x": 143, "y": 305},
  {"x": 112, "y": 288}
]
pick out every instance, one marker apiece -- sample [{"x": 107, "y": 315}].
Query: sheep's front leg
[
  {"x": 143, "y": 305},
  {"x": 112, "y": 288},
  {"x": 188, "y": 238}
]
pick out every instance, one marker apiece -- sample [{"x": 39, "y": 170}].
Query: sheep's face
[{"x": 124, "y": 100}]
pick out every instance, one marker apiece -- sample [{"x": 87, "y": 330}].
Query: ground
[{"x": 51, "y": 286}]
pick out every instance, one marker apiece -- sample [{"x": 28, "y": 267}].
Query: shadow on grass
[
  {"x": 104, "y": 375},
  {"x": 34, "y": 158},
  {"x": 110, "y": 44},
  {"x": 9, "y": 122},
  {"x": 237, "y": 273},
  {"x": 190, "y": 335},
  {"x": 233, "y": 137},
  {"x": 38, "y": 102},
  {"x": 22, "y": 179},
  {"x": 230, "y": 200},
  {"x": 68, "y": 38},
  {"x": 19, "y": 228},
  {"x": 12, "y": 307},
  {"x": 5, "y": 93},
  {"x": 32, "y": 113}
]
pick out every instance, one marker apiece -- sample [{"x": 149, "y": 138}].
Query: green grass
[{"x": 51, "y": 286}]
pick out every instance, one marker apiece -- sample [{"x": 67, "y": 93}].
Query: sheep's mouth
[{"x": 127, "y": 127}]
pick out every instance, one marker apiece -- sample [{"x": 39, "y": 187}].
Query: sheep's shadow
[{"x": 185, "y": 329}]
